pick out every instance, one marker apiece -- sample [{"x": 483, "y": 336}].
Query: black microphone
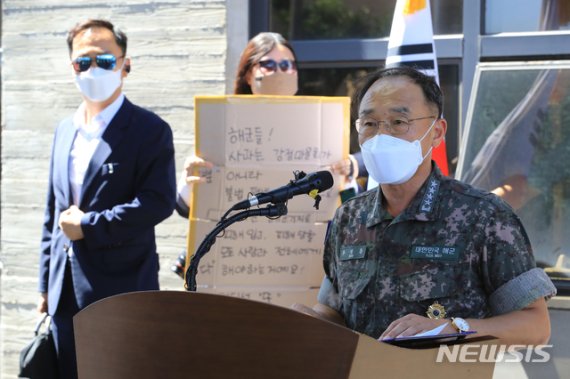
[{"x": 320, "y": 181}]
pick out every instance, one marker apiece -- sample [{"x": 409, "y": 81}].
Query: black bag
[{"x": 39, "y": 359}]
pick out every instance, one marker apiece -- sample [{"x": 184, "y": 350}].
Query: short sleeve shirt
[{"x": 454, "y": 244}]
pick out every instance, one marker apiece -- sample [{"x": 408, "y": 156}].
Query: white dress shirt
[{"x": 86, "y": 140}]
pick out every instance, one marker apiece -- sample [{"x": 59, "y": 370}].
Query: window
[
  {"x": 534, "y": 15},
  {"x": 517, "y": 144},
  {"x": 337, "y": 19}
]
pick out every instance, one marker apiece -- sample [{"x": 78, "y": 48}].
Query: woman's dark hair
[
  {"x": 429, "y": 87},
  {"x": 120, "y": 37},
  {"x": 256, "y": 48}
]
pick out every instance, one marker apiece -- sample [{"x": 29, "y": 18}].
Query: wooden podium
[{"x": 172, "y": 334}]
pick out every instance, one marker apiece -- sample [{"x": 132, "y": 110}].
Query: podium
[{"x": 174, "y": 334}]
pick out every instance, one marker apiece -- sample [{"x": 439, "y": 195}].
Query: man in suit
[{"x": 112, "y": 179}]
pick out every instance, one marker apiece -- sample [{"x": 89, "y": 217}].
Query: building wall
[{"x": 179, "y": 48}]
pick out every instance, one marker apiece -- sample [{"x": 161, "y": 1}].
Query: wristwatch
[{"x": 460, "y": 324}]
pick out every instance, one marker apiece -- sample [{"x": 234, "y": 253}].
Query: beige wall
[{"x": 178, "y": 49}]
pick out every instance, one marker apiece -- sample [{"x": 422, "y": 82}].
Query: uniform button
[{"x": 65, "y": 247}]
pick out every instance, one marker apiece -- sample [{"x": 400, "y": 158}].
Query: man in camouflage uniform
[{"x": 427, "y": 240}]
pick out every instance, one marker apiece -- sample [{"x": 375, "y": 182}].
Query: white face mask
[
  {"x": 391, "y": 160},
  {"x": 278, "y": 83},
  {"x": 98, "y": 84}
]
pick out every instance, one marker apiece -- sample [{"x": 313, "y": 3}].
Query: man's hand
[
  {"x": 70, "y": 223},
  {"x": 42, "y": 303},
  {"x": 412, "y": 324}
]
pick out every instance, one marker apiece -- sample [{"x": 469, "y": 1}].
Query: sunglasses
[
  {"x": 270, "y": 65},
  {"x": 105, "y": 61}
]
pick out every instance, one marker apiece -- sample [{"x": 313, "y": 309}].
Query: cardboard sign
[
  {"x": 256, "y": 144},
  {"x": 260, "y": 252}
]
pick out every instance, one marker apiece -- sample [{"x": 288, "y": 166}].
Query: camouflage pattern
[{"x": 453, "y": 244}]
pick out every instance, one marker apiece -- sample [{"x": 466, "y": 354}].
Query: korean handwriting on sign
[
  {"x": 303, "y": 154},
  {"x": 246, "y": 155},
  {"x": 252, "y": 135}
]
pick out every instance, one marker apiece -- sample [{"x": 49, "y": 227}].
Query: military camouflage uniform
[{"x": 454, "y": 244}]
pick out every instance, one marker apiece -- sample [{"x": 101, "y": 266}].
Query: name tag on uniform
[
  {"x": 348, "y": 253},
  {"x": 444, "y": 253}
]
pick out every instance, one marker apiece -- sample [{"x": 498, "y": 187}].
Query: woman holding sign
[{"x": 268, "y": 66}]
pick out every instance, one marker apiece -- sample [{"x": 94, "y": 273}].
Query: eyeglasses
[
  {"x": 269, "y": 66},
  {"x": 368, "y": 126},
  {"x": 105, "y": 61}
]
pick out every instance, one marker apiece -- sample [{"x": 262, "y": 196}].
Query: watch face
[{"x": 461, "y": 324}]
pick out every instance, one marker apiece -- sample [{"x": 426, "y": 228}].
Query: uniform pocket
[{"x": 353, "y": 277}]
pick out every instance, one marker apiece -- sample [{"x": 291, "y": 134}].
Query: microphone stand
[{"x": 271, "y": 210}]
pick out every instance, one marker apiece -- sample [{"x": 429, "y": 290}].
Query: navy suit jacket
[{"x": 129, "y": 187}]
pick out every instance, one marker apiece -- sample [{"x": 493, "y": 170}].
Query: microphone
[{"x": 320, "y": 181}]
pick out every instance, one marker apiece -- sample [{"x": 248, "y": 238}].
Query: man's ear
[
  {"x": 127, "y": 68},
  {"x": 440, "y": 128}
]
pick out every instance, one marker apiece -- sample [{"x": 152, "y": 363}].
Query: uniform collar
[
  {"x": 378, "y": 213},
  {"x": 423, "y": 207}
]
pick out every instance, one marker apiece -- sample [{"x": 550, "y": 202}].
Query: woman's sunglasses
[
  {"x": 105, "y": 61},
  {"x": 270, "y": 65}
]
